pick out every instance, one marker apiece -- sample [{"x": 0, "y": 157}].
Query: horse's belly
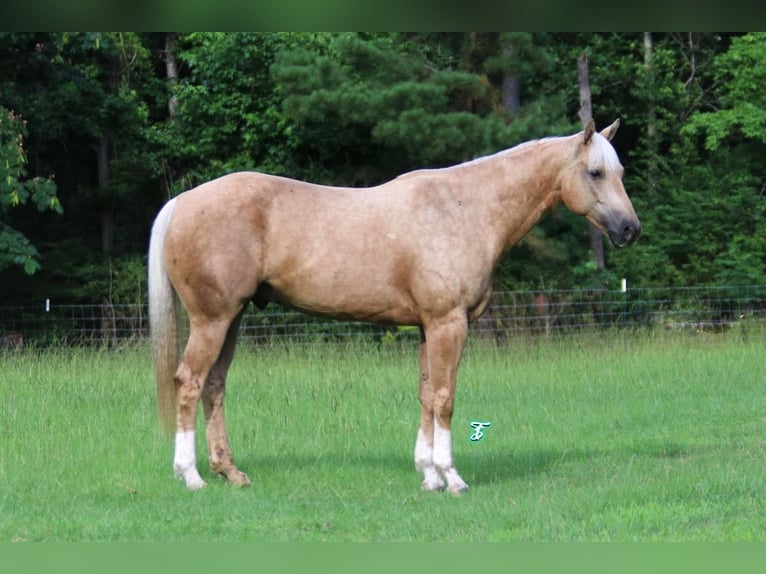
[{"x": 359, "y": 302}]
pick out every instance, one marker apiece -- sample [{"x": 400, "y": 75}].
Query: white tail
[{"x": 163, "y": 320}]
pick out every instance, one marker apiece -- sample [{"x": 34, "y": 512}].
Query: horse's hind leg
[
  {"x": 206, "y": 339},
  {"x": 213, "y": 393}
]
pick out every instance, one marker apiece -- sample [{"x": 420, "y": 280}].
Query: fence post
[{"x": 625, "y": 306}]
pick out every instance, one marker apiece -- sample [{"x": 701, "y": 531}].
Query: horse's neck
[{"x": 520, "y": 186}]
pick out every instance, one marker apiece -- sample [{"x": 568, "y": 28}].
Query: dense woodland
[{"x": 97, "y": 130}]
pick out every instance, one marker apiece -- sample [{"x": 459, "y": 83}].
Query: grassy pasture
[{"x": 619, "y": 438}]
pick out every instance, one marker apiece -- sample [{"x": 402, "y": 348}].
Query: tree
[
  {"x": 84, "y": 96},
  {"x": 107, "y": 69},
  {"x": 17, "y": 189},
  {"x": 225, "y": 108},
  {"x": 368, "y": 108},
  {"x": 734, "y": 133},
  {"x": 741, "y": 111}
]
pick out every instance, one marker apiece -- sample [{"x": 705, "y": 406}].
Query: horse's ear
[
  {"x": 609, "y": 132},
  {"x": 590, "y": 129}
]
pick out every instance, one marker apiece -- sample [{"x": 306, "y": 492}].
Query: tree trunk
[
  {"x": 171, "y": 70},
  {"x": 650, "y": 126},
  {"x": 511, "y": 89},
  {"x": 107, "y": 223},
  {"x": 651, "y": 120},
  {"x": 586, "y": 114}
]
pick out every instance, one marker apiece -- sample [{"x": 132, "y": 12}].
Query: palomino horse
[{"x": 418, "y": 250}]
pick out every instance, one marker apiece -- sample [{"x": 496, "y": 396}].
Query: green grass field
[{"x": 616, "y": 438}]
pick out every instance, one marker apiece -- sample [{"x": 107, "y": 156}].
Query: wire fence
[{"x": 510, "y": 314}]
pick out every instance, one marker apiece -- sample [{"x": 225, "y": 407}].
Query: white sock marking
[
  {"x": 424, "y": 463},
  {"x": 443, "y": 459},
  {"x": 442, "y": 447},
  {"x": 423, "y": 452},
  {"x": 185, "y": 462}
]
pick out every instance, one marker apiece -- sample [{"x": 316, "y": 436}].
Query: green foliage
[
  {"x": 741, "y": 110},
  {"x": 15, "y": 190},
  {"x": 699, "y": 203},
  {"x": 119, "y": 281},
  {"x": 700, "y": 190},
  {"x": 361, "y": 108},
  {"x": 228, "y": 116},
  {"x": 368, "y": 109}
]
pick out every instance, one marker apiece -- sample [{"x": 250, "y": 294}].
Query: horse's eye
[{"x": 595, "y": 173}]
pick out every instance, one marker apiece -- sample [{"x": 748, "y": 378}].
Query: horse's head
[{"x": 591, "y": 185}]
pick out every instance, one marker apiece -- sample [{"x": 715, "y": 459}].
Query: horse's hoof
[
  {"x": 193, "y": 484},
  {"x": 432, "y": 486},
  {"x": 190, "y": 477},
  {"x": 457, "y": 490},
  {"x": 238, "y": 478}
]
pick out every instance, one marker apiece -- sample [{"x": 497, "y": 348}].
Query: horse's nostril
[{"x": 630, "y": 233}]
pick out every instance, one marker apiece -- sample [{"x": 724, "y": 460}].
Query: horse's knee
[
  {"x": 426, "y": 397},
  {"x": 444, "y": 404}
]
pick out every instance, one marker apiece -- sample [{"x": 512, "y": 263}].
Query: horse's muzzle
[{"x": 625, "y": 234}]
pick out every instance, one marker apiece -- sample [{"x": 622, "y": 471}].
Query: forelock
[{"x": 602, "y": 154}]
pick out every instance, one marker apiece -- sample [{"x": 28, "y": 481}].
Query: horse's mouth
[
  {"x": 626, "y": 234},
  {"x": 622, "y": 233}
]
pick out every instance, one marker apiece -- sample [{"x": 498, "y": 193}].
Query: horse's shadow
[
  {"x": 478, "y": 468},
  {"x": 492, "y": 468}
]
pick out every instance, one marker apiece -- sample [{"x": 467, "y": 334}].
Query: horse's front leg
[
  {"x": 424, "y": 445},
  {"x": 444, "y": 342}
]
